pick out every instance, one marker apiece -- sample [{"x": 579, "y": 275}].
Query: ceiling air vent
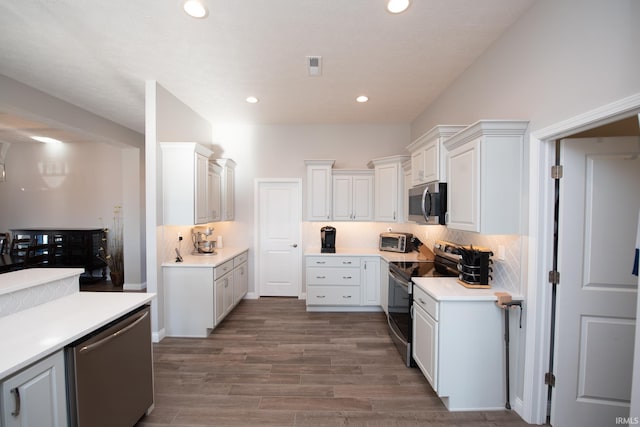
[{"x": 314, "y": 65}]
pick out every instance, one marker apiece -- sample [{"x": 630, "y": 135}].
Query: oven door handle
[
  {"x": 393, "y": 330},
  {"x": 399, "y": 279}
]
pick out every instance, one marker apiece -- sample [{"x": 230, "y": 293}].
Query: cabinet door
[
  {"x": 319, "y": 195},
  {"x": 229, "y": 194},
  {"x": 214, "y": 209},
  {"x": 463, "y": 192},
  {"x": 386, "y": 194},
  {"x": 342, "y": 198},
  {"x": 417, "y": 167},
  {"x": 201, "y": 189},
  {"x": 370, "y": 274},
  {"x": 425, "y": 342},
  {"x": 362, "y": 198},
  {"x": 431, "y": 161},
  {"x": 224, "y": 296},
  {"x": 240, "y": 282},
  {"x": 36, "y": 397}
]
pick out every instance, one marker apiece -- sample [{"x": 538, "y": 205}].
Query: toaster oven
[{"x": 395, "y": 242}]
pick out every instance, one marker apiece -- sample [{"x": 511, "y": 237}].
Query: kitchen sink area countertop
[
  {"x": 449, "y": 289},
  {"x": 221, "y": 256},
  {"x": 34, "y": 333}
]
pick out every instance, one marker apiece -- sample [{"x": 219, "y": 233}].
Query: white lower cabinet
[
  {"x": 36, "y": 396},
  {"x": 224, "y": 296},
  {"x": 197, "y": 299},
  {"x": 240, "y": 277},
  {"x": 458, "y": 345},
  {"x": 347, "y": 283},
  {"x": 370, "y": 274}
]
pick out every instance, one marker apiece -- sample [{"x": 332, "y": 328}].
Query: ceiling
[{"x": 98, "y": 54}]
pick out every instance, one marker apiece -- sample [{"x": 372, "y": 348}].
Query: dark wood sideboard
[{"x": 77, "y": 247}]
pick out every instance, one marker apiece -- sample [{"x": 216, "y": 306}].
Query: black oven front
[{"x": 399, "y": 318}]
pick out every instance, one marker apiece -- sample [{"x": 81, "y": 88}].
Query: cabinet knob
[{"x": 295, "y": 245}]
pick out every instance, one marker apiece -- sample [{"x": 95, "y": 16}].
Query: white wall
[
  {"x": 65, "y": 185},
  {"x": 561, "y": 59}
]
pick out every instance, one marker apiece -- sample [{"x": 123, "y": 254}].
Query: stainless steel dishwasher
[{"x": 110, "y": 373}]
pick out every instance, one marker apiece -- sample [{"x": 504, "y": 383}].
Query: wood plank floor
[{"x": 271, "y": 363}]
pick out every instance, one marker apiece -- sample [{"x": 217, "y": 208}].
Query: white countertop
[
  {"x": 448, "y": 289},
  {"x": 32, "y": 334},
  {"x": 388, "y": 256},
  {"x": 22, "y": 279},
  {"x": 222, "y": 255}
]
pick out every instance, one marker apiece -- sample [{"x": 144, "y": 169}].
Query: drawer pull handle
[
  {"x": 321, "y": 277},
  {"x": 346, "y": 262},
  {"x": 321, "y": 262},
  {"x": 421, "y": 301},
  {"x": 320, "y": 296},
  {"x": 346, "y": 296},
  {"x": 347, "y": 277}
]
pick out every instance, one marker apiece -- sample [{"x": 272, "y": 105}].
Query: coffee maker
[{"x": 328, "y": 240}]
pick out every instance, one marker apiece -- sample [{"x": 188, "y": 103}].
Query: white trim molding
[{"x": 540, "y": 241}]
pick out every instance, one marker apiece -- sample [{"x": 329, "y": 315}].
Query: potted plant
[{"x": 111, "y": 251}]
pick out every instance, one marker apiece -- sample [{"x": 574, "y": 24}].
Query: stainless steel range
[{"x": 401, "y": 291}]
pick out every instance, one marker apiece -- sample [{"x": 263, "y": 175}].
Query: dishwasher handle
[{"x": 93, "y": 346}]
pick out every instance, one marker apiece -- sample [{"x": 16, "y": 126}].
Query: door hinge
[
  {"x": 550, "y": 379},
  {"x": 556, "y": 171},
  {"x": 554, "y": 276}
]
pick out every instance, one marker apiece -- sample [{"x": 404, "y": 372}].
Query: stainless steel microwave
[{"x": 428, "y": 203}]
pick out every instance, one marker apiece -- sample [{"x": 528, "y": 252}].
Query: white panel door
[
  {"x": 279, "y": 219},
  {"x": 596, "y": 308}
]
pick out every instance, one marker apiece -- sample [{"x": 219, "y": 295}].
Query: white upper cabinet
[
  {"x": 389, "y": 188},
  {"x": 185, "y": 176},
  {"x": 214, "y": 190},
  {"x": 319, "y": 189},
  {"x": 352, "y": 195},
  {"x": 485, "y": 175},
  {"x": 428, "y": 162},
  {"x": 228, "y": 183}
]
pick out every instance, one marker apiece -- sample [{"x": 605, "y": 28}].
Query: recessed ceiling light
[
  {"x": 362, "y": 98},
  {"x": 46, "y": 140},
  {"x": 252, "y": 100},
  {"x": 195, "y": 8},
  {"x": 397, "y": 6}
]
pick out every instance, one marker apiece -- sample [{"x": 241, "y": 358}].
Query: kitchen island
[{"x": 44, "y": 315}]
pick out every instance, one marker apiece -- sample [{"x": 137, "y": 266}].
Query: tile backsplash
[{"x": 507, "y": 273}]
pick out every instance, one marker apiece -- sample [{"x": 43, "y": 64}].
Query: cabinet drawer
[
  {"x": 332, "y": 261},
  {"x": 333, "y": 295},
  {"x": 424, "y": 300},
  {"x": 333, "y": 276},
  {"x": 240, "y": 259},
  {"x": 222, "y": 269}
]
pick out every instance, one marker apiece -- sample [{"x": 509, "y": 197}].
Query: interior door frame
[
  {"x": 533, "y": 408},
  {"x": 256, "y": 235}
]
